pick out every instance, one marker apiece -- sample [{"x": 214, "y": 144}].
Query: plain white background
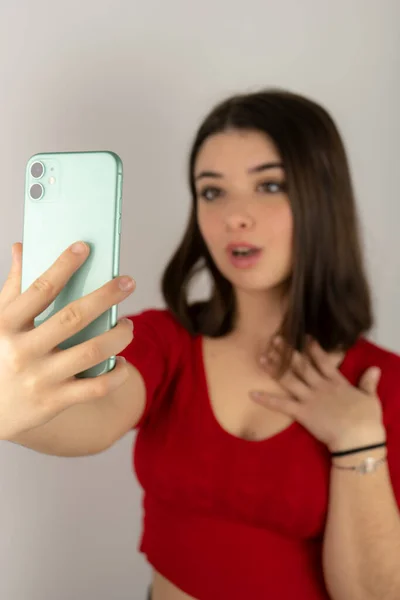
[{"x": 137, "y": 77}]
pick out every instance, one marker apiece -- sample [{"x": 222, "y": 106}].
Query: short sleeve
[
  {"x": 154, "y": 352},
  {"x": 389, "y": 393}
]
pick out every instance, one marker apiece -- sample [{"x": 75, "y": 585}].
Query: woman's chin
[
  {"x": 253, "y": 282},
  {"x": 253, "y": 279}
]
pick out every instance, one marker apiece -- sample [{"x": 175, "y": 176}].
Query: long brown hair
[{"x": 328, "y": 293}]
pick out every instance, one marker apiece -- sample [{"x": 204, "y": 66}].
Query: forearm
[
  {"x": 361, "y": 549},
  {"x": 93, "y": 426},
  {"x": 80, "y": 430}
]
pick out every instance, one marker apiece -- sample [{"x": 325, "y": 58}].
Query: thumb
[{"x": 370, "y": 379}]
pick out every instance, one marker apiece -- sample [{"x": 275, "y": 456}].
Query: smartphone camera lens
[
  {"x": 36, "y": 191},
  {"x": 37, "y": 170}
]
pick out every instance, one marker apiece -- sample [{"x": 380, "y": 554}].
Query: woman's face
[{"x": 242, "y": 200}]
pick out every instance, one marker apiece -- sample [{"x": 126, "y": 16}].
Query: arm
[
  {"x": 361, "y": 550},
  {"x": 90, "y": 428}
]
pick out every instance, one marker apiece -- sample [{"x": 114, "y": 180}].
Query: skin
[
  {"x": 240, "y": 204},
  {"x": 253, "y": 207}
]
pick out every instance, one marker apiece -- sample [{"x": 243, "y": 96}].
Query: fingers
[
  {"x": 42, "y": 291},
  {"x": 283, "y": 403},
  {"x": 67, "y": 363},
  {"x": 80, "y": 390},
  {"x": 295, "y": 386},
  {"x": 301, "y": 366},
  {"x": 327, "y": 363},
  {"x": 311, "y": 365},
  {"x": 300, "y": 376},
  {"x": 75, "y": 317},
  {"x": 12, "y": 286}
]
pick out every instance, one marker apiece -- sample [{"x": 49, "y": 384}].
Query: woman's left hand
[{"x": 321, "y": 399}]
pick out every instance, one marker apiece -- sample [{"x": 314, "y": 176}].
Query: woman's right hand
[{"x": 37, "y": 379}]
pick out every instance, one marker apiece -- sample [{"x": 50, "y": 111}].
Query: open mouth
[
  {"x": 244, "y": 251},
  {"x": 244, "y": 256}
]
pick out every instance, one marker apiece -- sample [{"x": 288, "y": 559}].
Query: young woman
[{"x": 270, "y": 468}]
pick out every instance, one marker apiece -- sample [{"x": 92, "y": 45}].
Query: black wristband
[{"x": 343, "y": 452}]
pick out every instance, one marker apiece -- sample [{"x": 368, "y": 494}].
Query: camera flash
[{"x": 52, "y": 180}]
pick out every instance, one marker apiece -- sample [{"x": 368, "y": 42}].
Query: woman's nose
[{"x": 239, "y": 221}]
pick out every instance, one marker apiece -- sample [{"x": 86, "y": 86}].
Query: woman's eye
[
  {"x": 209, "y": 193},
  {"x": 272, "y": 187}
]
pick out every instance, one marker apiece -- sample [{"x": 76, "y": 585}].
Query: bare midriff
[{"x": 165, "y": 590}]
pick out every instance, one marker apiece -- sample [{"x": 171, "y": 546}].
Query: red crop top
[{"x": 225, "y": 517}]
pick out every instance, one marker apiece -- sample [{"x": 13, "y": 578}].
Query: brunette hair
[{"x": 328, "y": 293}]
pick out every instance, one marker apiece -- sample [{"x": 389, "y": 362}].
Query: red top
[{"x": 225, "y": 517}]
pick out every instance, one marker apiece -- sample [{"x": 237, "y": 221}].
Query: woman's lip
[
  {"x": 245, "y": 262},
  {"x": 231, "y": 247}
]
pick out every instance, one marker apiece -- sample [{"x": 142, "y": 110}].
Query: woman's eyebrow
[
  {"x": 265, "y": 166},
  {"x": 257, "y": 169}
]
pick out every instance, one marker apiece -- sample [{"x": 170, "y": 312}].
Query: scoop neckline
[{"x": 286, "y": 432}]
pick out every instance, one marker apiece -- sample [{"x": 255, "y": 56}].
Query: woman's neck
[{"x": 259, "y": 315}]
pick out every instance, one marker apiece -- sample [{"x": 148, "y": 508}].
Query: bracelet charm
[{"x": 368, "y": 465}]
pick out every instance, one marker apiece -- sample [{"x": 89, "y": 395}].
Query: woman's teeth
[{"x": 244, "y": 251}]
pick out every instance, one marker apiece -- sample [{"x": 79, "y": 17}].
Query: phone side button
[{"x": 119, "y": 225}]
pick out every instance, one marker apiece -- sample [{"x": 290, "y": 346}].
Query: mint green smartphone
[{"x": 71, "y": 196}]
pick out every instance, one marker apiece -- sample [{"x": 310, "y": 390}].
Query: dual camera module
[{"x": 36, "y": 190}]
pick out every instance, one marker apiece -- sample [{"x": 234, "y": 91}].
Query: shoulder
[
  {"x": 159, "y": 326},
  {"x": 161, "y": 317},
  {"x": 365, "y": 353}
]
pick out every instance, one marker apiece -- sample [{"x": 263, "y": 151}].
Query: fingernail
[
  {"x": 125, "y": 284},
  {"x": 16, "y": 258},
  {"x": 122, "y": 359},
  {"x": 78, "y": 248}
]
